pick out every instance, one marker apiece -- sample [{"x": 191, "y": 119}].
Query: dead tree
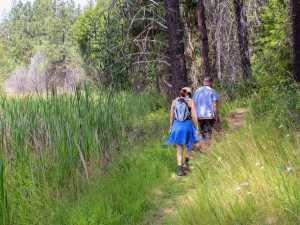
[
  {"x": 296, "y": 38},
  {"x": 176, "y": 46},
  {"x": 203, "y": 38},
  {"x": 243, "y": 36}
]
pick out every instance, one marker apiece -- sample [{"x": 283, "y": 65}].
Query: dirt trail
[
  {"x": 236, "y": 119},
  {"x": 177, "y": 189}
]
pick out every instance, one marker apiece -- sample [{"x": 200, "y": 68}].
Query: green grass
[
  {"x": 100, "y": 159},
  {"x": 261, "y": 153},
  {"x": 125, "y": 193},
  {"x": 4, "y": 206},
  {"x": 55, "y": 146}
]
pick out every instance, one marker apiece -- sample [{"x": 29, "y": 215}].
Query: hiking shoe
[
  {"x": 180, "y": 174},
  {"x": 186, "y": 166}
]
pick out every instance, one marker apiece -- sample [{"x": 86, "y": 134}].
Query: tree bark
[
  {"x": 203, "y": 38},
  {"x": 176, "y": 47},
  {"x": 296, "y": 39},
  {"x": 218, "y": 40},
  {"x": 243, "y": 36},
  {"x": 189, "y": 17},
  {"x": 289, "y": 7}
]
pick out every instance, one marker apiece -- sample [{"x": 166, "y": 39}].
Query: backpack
[{"x": 182, "y": 111}]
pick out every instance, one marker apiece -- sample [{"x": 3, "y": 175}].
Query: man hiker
[{"x": 206, "y": 103}]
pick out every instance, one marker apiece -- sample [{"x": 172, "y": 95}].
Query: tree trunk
[
  {"x": 289, "y": 7},
  {"x": 243, "y": 35},
  {"x": 189, "y": 16},
  {"x": 218, "y": 39},
  {"x": 176, "y": 47},
  {"x": 190, "y": 53},
  {"x": 203, "y": 38},
  {"x": 296, "y": 38}
]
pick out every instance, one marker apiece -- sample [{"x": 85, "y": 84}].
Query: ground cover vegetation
[
  {"x": 53, "y": 145},
  {"x": 83, "y": 144},
  {"x": 248, "y": 176}
]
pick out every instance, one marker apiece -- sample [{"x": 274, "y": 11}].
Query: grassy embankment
[
  {"x": 249, "y": 176},
  {"x": 45, "y": 174},
  {"x": 56, "y": 150}
]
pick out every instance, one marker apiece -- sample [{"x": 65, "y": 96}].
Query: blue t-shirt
[{"x": 203, "y": 99}]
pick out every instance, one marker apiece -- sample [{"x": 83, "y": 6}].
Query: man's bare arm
[{"x": 215, "y": 105}]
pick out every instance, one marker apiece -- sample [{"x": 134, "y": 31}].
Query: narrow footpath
[{"x": 168, "y": 200}]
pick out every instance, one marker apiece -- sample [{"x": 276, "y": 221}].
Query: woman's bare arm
[
  {"x": 191, "y": 104},
  {"x": 172, "y": 114}
]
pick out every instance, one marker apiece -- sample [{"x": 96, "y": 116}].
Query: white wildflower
[
  {"x": 245, "y": 184},
  {"x": 289, "y": 169},
  {"x": 280, "y": 126},
  {"x": 257, "y": 163},
  {"x": 262, "y": 167},
  {"x": 287, "y": 135},
  {"x": 238, "y": 189},
  {"x": 249, "y": 193}
]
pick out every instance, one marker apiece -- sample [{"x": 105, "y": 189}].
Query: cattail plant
[{"x": 50, "y": 140}]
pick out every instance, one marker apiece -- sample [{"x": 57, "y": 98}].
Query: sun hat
[{"x": 188, "y": 90}]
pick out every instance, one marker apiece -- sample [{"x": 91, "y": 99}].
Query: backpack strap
[
  {"x": 182, "y": 100},
  {"x": 182, "y": 117}
]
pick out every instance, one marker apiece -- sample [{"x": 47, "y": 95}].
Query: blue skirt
[{"x": 183, "y": 133}]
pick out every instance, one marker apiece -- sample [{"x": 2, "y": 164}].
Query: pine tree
[
  {"x": 203, "y": 39},
  {"x": 176, "y": 46},
  {"x": 43, "y": 28},
  {"x": 243, "y": 35}
]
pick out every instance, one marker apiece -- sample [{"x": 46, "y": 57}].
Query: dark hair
[
  {"x": 207, "y": 80},
  {"x": 183, "y": 93}
]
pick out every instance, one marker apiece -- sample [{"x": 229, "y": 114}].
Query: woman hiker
[{"x": 182, "y": 129}]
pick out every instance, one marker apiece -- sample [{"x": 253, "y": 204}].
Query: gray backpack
[{"x": 182, "y": 111}]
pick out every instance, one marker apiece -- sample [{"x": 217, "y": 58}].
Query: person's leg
[
  {"x": 187, "y": 158},
  {"x": 179, "y": 159},
  {"x": 205, "y": 129},
  {"x": 209, "y": 125},
  {"x": 202, "y": 129},
  {"x": 179, "y": 154},
  {"x": 187, "y": 153}
]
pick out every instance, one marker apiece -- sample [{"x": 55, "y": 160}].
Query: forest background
[
  {"x": 125, "y": 44},
  {"x": 80, "y": 86}
]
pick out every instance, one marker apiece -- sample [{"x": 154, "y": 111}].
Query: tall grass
[
  {"x": 4, "y": 207},
  {"x": 251, "y": 176},
  {"x": 127, "y": 192},
  {"x": 51, "y": 143}
]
